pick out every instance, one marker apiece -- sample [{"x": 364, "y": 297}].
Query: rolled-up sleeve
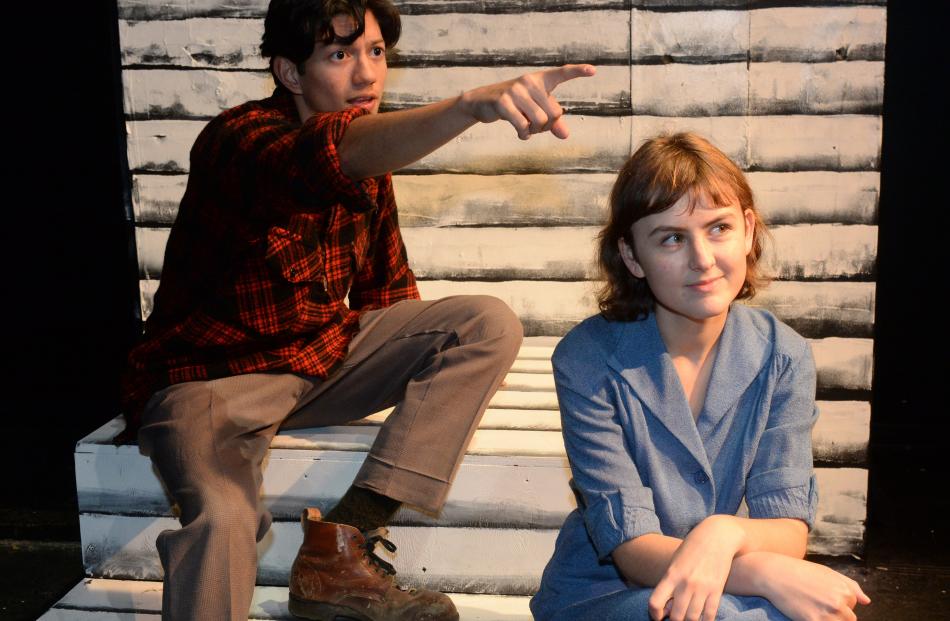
[
  {"x": 781, "y": 482},
  {"x": 295, "y": 167},
  {"x": 617, "y": 506}
]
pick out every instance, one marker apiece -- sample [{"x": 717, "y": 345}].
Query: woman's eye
[
  {"x": 672, "y": 239},
  {"x": 338, "y": 55},
  {"x": 721, "y": 228},
  {"x": 378, "y": 51}
]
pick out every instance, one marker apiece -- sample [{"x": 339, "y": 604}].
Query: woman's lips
[{"x": 707, "y": 284}]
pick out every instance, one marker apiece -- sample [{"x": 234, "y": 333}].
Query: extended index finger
[{"x": 553, "y": 77}]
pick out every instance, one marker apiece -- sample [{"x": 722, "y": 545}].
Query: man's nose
[{"x": 365, "y": 73}]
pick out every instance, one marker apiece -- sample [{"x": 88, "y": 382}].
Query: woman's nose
[{"x": 701, "y": 255}]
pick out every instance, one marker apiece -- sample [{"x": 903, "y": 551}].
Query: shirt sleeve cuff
[
  {"x": 325, "y": 178},
  {"x": 784, "y": 493},
  {"x": 618, "y": 516}
]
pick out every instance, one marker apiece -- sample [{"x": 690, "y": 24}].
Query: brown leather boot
[{"x": 337, "y": 577}]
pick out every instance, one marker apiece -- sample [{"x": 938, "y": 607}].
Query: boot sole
[{"x": 320, "y": 611}]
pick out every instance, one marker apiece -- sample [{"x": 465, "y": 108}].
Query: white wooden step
[{"x": 134, "y": 600}]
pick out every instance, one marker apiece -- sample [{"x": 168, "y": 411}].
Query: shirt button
[
  {"x": 700, "y": 477},
  {"x": 293, "y": 272}
]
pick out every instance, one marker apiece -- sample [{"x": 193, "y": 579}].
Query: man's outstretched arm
[{"x": 376, "y": 144}]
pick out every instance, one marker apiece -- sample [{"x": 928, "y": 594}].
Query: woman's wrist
[
  {"x": 728, "y": 530},
  {"x": 752, "y": 574}
]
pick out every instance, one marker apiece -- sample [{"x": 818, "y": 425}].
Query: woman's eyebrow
[{"x": 717, "y": 215}]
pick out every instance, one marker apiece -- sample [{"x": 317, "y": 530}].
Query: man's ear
[
  {"x": 629, "y": 259},
  {"x": 286, "y": 71}
]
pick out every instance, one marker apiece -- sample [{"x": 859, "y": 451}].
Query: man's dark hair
[{"x": 292, "y": 27}]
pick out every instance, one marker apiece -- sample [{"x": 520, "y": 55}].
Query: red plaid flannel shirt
[{"x": 270, "y": 239}]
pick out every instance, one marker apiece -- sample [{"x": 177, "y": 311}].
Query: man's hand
[
  {"x": 525, "y": 102},
  {"x": 375, "y": 144}
]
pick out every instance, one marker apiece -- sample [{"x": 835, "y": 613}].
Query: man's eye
[
  {"x": 672, "y": 239},
  {"x": 338, "y": 55},
  {"x": 378, "y": 51}
]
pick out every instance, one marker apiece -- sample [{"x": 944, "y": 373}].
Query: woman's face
[{"x": 695, "y": 263}]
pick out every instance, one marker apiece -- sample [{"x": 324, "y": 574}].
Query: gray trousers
[{"x": 438, "y": 362}]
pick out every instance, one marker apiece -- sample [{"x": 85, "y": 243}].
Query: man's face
[{"x": 339, "y": 76}]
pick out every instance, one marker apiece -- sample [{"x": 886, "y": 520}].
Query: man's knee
[{"x": 491, "y": 318}]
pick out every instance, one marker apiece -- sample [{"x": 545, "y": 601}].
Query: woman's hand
[
  {"x": 806, "y": 591},
  {"x": 693, "y": 584}
]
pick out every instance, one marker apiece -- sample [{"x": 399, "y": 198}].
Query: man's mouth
[{"x": 364, "y": 101}]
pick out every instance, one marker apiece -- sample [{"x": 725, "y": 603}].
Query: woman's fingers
[{"x": 658, "y": 604}]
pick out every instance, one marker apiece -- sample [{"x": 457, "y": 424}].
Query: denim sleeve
[
  {"x": 618, "y": 507},
  {"x": 781, "y": 483}
]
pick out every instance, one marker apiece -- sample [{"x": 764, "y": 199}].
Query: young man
[{"x": 289, "y": 212}]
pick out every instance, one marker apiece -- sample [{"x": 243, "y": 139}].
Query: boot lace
[{"x": 372, "y": 538}]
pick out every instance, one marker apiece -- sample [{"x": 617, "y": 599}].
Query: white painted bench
[{"x": 500, "y": 521}]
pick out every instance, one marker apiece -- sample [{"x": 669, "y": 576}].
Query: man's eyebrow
[{"x": 378, "y": 41}]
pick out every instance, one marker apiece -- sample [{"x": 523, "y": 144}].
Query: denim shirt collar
[{"x": 641, "y": 359}]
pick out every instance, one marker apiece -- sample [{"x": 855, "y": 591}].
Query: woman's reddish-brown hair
[{"x": 661, "y": 172}]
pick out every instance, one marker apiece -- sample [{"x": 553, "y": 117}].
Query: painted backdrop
[{"x": 791, "y": 90}]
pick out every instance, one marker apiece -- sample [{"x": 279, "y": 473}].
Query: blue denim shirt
[{"x": 640, "y": 462}]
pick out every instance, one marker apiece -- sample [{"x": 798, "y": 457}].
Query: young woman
[{"x": 678, "y": 405}]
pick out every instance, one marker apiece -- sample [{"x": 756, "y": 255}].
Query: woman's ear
[
  {"x": 630, "y": 259},
  {"x": 749, "y": 218},
  {"x": 286, "y": 71}
]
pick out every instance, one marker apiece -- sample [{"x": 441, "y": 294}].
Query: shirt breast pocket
[{"x": 297, "y": 254}]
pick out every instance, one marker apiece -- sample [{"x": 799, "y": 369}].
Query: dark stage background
[{"x": 70, "y": 311}]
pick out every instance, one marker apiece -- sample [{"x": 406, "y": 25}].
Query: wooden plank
[
  {"x": 660, "y": 90},
  {"x": 811, "y": 197},
  {"x": 202, "y": 94},
  {"x": 460, "y": 560},
  {"x": 489, "y": 560},
  {"x": 566, "y": 253},
  {"x": 181, "y": 9},
  {"x": 815, "y": 143},
  {"x": 534, "y": 38},
  {"x": 690, "y": 90},
  {"x": 529, "y": 38},
  {"x": 597, "y": 144},
  {"x": 842, "y": 433},
  {"x": 513, "y": 492},
  {"x": 843, "y": 364},
  {"x": 818, "y": 34},
  {"x": 814, "y": 309},
  {"x": 809, "y": 34},
  {"x": 822, "y": 252},
  {"x": 315, "y": 467},
  {"x": 759, "y": 88},
  {"x": 816, "y": 88},
  {"x": 792, "y": 34},
  {"x": 114, "y": 598},
  {"x": 781, "y": 143},
  {"x": 700, "y": 36}
]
